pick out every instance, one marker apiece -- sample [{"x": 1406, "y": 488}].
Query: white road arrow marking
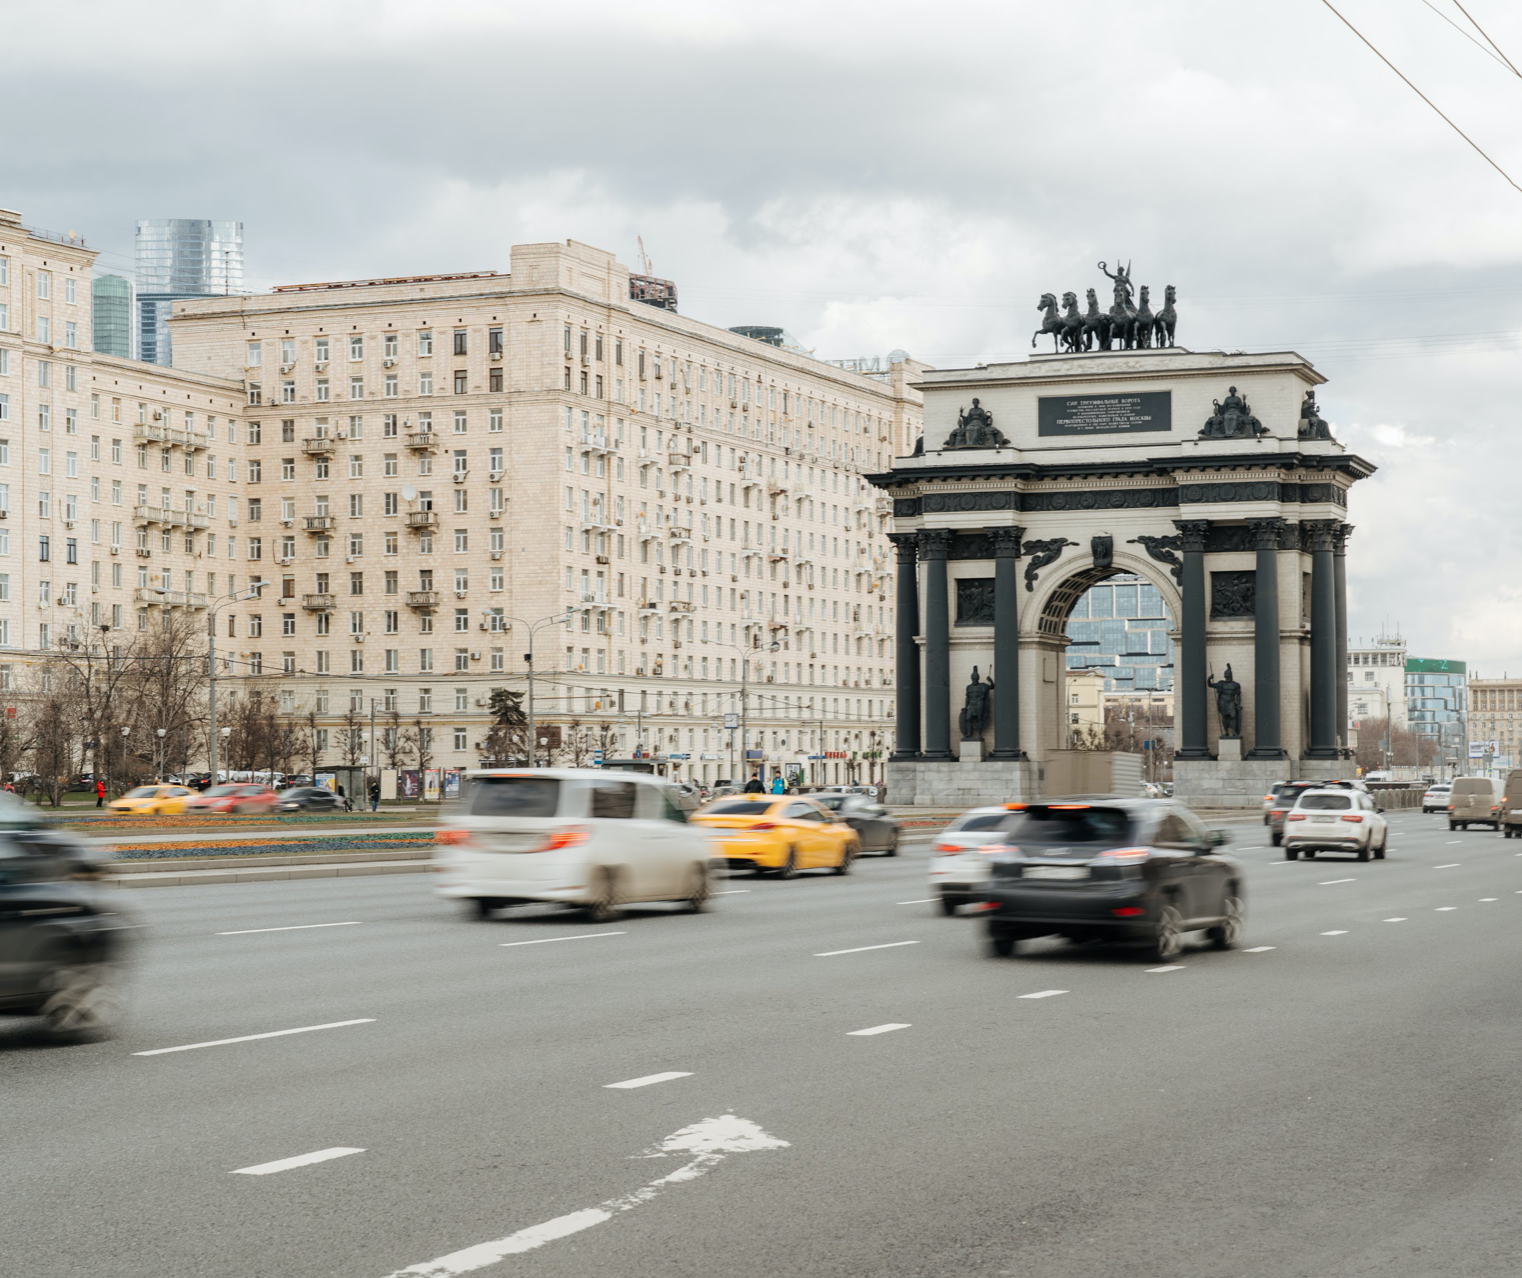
[{"x": 711, "y": 1141}]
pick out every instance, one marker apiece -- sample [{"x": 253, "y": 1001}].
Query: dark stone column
[
  {"x": 906, "y": 651},
  {"x": 1190, "y": 685},
  {"x": 1267, "y": 742},
  {"x": 1323, "y": 742},
  {"x": 1340, "y": 582},
  {"x": 935, "y": 544},
  {"x": 1006, "y": 643}
]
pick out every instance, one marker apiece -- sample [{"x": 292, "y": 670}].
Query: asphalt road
[{"x": 1341, "y": 1102}]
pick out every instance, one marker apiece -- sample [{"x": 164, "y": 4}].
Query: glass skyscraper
[
  {"x": 111, "y": 315},
  {"x": 1437, "y": 706},
  {"x": 180, "y": 257},
  {"x": 1120, "y": 628}
]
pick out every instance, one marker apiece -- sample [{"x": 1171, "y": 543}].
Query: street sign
[
  {"x": 753, "y": 754},
  {"x": 597, "y": 758},
  {"x": 731, "y": 721},
  {"x": 676, "y": 756}
]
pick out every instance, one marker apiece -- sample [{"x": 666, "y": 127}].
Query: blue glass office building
[
  {"x": 177, "y": 258},
  {"x": 1121, "y": 628},
  {"x": 111, "y": 315}
]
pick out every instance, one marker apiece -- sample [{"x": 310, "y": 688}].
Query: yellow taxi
[
  {"x": 779, "y": 835},
  {"x": 153, "y": 800}
]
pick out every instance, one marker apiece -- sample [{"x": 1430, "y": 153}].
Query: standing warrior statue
[{"x": 974, "y": 717}]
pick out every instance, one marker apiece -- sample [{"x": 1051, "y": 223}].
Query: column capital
[
  {"x": 1006, "y": 540},
  {"x": 935, "y": 543},
  {"x": 1322, "y": 532},
  {"x": 1192, "y": 533},
  {"x": 1267, "y": 534},
  {"x": 907, "y": 544},
  {"x": 1340, "y": 537}
]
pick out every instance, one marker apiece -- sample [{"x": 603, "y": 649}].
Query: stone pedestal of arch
[{"x": 1105, "y": 472}]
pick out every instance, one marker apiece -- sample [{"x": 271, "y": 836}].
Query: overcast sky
[{"x": 882, "y": 175}]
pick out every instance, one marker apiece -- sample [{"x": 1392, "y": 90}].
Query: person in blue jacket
[{"x": 777, "y": 786}]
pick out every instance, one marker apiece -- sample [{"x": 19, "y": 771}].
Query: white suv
[
  {"x": 592, "y": 839},
  {"x": 959, "y": 868},
  {"x": 1335, "y": 820},
  {"x": 1435, "y": 797}
]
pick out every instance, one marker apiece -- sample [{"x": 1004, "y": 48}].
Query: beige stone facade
[
  {"x": 424, "y": 472},
  {"x": 1495, "y": 717}
]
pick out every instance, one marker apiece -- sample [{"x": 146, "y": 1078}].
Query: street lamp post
[
  {"x": 126, "y": 732},
  {"x": 251, "y": 592},
  {"x": 533, "y": 627},
  {"x": 162, "y": 733},
  {"x": 774, "y": 646}
]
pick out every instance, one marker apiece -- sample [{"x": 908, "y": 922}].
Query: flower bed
[{"x": 258, "y": 847}]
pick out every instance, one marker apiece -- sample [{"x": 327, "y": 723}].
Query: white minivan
[{"x": 591, "y": 839}]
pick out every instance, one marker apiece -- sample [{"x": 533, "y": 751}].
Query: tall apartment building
[
  {"x": 435, "y": 476},
  {"x": 179, "y": 257},
  {"x": 1495, "y": 721}
]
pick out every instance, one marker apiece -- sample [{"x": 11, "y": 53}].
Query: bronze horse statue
[
  {"x": 1051, "y": 322},
  {"x": 1166, "y": 321},
  {"x": 1072, "y": 323},
  {"x": 1144, "y": 321},
  {"x": 1096, "y": 325}
]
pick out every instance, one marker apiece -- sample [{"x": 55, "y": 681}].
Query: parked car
[
  {"x": 152, "y": 800},
  {"x": 63, "y": 941},
  {"x": 1435, "y": 797},
  {"x": 309, "y": 798},
  {"x": 779, "y": 834},
  {"x": 1284, "y": 796},
  {"x": 239, "y": 799},
  {"x": 958, "y": 857},
  {"x": 1509, "y": 805},
  {"x": 1474, "y": 801},
  {"x": 875, "y": 828},
  {"x": 1335, "y": 819},
  {"x": 1131, "y": 870},
  {"x": 590, "y": 839}
]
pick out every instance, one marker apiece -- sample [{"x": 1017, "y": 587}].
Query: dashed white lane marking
[
  {"x": 877, "y": 1029},
  {"x": 1399, "y": 920},
  {"x": 859, "y": 949},
  {"x": 1043, "y": 994},
  {"x": 1331, "y": 882},
  {"x": 1339, "y": 932},
  {"x": 1452, "y": 865},
  {"x": 1171, "y": 967},
  {"x": 300, "y": 1160},
  {"x": 548, "y": 940},
  {"x": 1451, "y": 842},
  {"x": 1259, "y": 949},
  {"x": 650, "y": 1078},
  {"x": 1490, "y": 898},
  {"x": 924, "y": 900},
  {"x": 1443, "y": 909},
  {"x": 298, "y": 927},
  {"x": 732, "y": 892},
  {"x": 249, "y": 1038},
  {"x": 1256, "y": 847}
]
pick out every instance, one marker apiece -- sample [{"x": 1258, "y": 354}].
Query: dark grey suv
[{"x": 1137, "y": 870}]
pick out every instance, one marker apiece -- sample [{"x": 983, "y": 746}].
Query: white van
[{"x": 586, "y": 838}]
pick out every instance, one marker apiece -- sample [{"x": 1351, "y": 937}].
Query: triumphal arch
[{"x": 1211, "y": 475}]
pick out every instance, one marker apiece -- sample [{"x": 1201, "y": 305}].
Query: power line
[
  {"x": 1488, "y": 40},
  {"x": 1424, "y": 97},
  {"x": 1487, "y": 52}
]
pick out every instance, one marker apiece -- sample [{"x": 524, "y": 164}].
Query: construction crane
[{"x": 646, "y": 266}]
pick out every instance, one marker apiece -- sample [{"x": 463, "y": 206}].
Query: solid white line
[
  {"x": 546, "y": 940},
  {"x": 249, "y": 1038},
  {"x": 299, "y": 927},
  {"x": 1343, "y": 932},
  {"x": 1452, "y": 865},
  {"x": 924, "y": 900},
  {"x": 891, "y": 945},
  {"x": 1042, "y": 994},
  {"x": 876, "y": 1029},
  {"x": 650, "y": 1078},
  {"x": 1399, "y": 920},
  {"x": 1258, "y": 949},
  {"x": 1171, "y": 967},
  {"x": 301, "y": 1160},
  {"x": 1330, "y": 882},
  {"x": 1443, "y": 909}
]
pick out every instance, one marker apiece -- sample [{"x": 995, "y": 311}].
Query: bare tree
[
  {"x": 422, "y": 743},
  {"x": 395, "y": 739},
  {"x": 310, "y": 742},
  {"x": 351, "y": 740},
  {"x": 576, "y": 743}
]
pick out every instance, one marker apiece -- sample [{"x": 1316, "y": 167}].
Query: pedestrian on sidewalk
[
  {"x": 374, "y": 795},
  {"x": 100, "y": 793}
]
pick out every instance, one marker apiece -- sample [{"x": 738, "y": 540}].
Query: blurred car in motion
[
  {"x": 1335, "y": 819},
  {"x": 153, "y": 800},
  {"x": 1474, "y": 801},
  {"x": 62, "y": 944},
  {"x": 1133, "y": 870},
  {"x": 1435, "y": 797},
  {"x": 1509, "y": 805},
  {"x": 958, "y": 857},
  {"x": 310, "y": 798},
  {"x": 1280, "y": 801},
  {"x": 586, "y": 838},
  {"x": 240, "y": 799},
  {"x": 876, "y": 830},
  {"x": 779, "y": 834}
]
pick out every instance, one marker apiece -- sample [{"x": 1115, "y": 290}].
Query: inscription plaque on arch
[{"x": 1105, "y": 414}]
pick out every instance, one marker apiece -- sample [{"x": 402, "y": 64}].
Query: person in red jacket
[{"x": 100, "y": 793}]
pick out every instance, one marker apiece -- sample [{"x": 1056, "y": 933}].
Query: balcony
[
  {"x": 680, "y": 534},
  {"x": 422, "y": 441},
  {"x": 680, "y": 462},
  {"x": 423, "y": 600},
  {"x": 167, "y": 517},
  {"x": 168, "y": 436},
  {"x": 321, "y": 446},
  {"x": 318, "y": 602},
  {"x": 423, "y": 520},
  {"x": 319, "y": 523},
  {"x": 170, "y": 598}
]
